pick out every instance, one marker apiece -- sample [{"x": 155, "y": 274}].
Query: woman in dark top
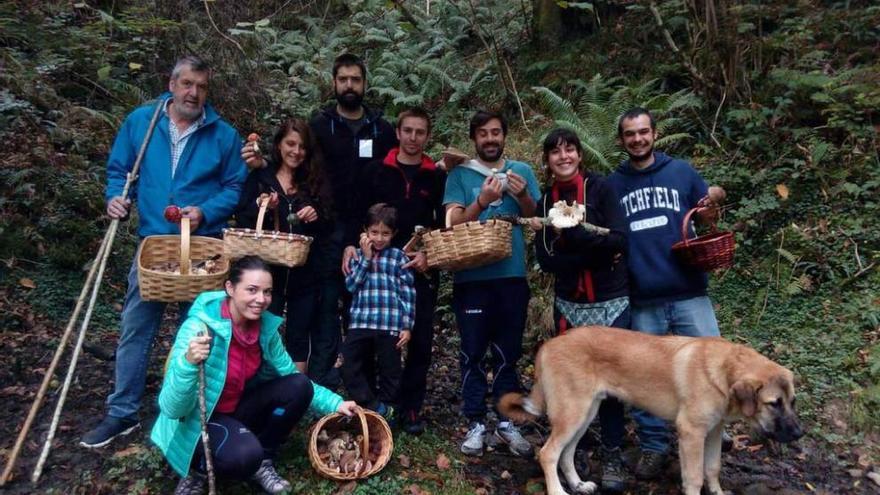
[
  {"x": 294, "y": 182},
  {"x": 589, "y": 270}
]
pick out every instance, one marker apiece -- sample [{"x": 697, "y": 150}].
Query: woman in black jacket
[
  {"x": 589, "y": 270},
  {"x": 299, "y": 195}
]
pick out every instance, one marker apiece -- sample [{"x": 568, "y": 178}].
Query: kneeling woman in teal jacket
[{"x": 253, "y": 391}]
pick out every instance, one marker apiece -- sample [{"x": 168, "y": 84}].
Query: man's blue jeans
[
  {"x": 140, "y": 321},
  {"x": 693, "y": 317}
]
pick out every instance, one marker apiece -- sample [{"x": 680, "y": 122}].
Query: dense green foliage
[{"x": 774, "y": 100}]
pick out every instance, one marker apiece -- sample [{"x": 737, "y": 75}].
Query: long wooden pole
[
  {"x": 203, "y": 420},
  {"x": 99, "y": 261}
]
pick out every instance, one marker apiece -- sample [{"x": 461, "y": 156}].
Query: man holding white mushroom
[{"x": 491, "y": 301}]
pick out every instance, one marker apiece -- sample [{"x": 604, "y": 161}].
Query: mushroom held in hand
[
  {"x": 563, "y": 216},
  {"x": 172, "y": 214},
  {"x": 253, "y": 138}
]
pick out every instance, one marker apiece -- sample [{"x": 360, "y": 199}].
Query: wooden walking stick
[
  {"x": 95, "y": 276},
  {"x": 203, "y": 420}
]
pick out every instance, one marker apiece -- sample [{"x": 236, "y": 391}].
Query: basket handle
[
  {"x": 365, "y": 444},
  {"x": 687, "y": 220},
  {"x": 184, "y": 246},
  {"x": 264, "y": 204}
]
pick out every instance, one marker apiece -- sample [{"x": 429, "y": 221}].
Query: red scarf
[{"x": 574, "y": 190}]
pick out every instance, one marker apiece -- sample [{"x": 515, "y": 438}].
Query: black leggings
[{"x": 264, "y": 417}]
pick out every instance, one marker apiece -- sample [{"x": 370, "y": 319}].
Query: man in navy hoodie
[
  {"x": 350, "y": 136},
  {"x": 655, "y": 192}
]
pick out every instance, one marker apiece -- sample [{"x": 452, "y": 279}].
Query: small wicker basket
[
  {"x": 162, "y": 286},
  {"x": 466, "y": 245},
  {"x": 709, "y": 252},
  {"x": 277, "y": 248},
  {"x": 376, "y": 434}
]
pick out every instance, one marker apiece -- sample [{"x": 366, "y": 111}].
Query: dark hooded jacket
[
  {"x": 587, "y": 267},
  {"x": 342, "y": 156},
  {"x": 655, "y": 201},
  {"x": 418, "y": 202}
]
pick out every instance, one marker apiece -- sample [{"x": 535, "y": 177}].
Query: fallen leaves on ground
[{"x": 443, "y": 461}]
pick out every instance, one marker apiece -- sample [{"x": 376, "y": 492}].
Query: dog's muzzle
[{"x": 786, "y": 429}]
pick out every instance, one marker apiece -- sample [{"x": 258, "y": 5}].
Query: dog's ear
[{"x": 746, "y": 393}]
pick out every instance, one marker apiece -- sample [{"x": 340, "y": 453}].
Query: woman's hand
[
  {"x": 307, "y": 214},
  {"x": 348, "y": 408},
  {"x": 272, "y": 197},
  {"x": 251, "y": 158},
  {"x": 198, "y": 350}
]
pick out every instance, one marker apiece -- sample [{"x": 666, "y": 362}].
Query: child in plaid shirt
[{"x": 382, "y": 314}]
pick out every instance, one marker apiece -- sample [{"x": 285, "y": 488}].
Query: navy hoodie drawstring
[{"x": 332, "y": 127}]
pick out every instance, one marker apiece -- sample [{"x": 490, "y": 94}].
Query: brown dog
[{"x": 699, "y": 383}]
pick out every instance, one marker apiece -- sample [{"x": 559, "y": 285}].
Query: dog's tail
[{"x": 522, "y": 409}]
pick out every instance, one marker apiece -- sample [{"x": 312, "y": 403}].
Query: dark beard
[
  {"x": 490, "y": 158},
  {"x": 349, "y": 100},
  {"x": 642, "y": 157}
]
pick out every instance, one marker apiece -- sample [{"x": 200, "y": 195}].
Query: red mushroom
[
  {"x": 253, "y": 138},
  {"x": 172, "y": 214}
]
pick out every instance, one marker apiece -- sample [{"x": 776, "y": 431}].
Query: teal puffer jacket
[{"x": 176, "y": 431}]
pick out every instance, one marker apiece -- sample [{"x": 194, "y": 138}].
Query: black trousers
[
  {"x": 371, "y": 357},
  {"x": 255, "y": 431},
  {"x": 414, "y": 382}
]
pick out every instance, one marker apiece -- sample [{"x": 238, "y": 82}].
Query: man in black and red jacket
[{"x": 408, "y": 180}]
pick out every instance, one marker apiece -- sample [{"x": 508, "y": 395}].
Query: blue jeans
[
  {"x": 693, "y": 317},
  {"x": 140, "y": 321}
]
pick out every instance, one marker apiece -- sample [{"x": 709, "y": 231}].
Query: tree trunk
[{"x": 548, "y": 28}]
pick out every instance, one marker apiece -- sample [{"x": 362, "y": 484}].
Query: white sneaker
[
  {"x": 508, "y": 433},
  {"x": 473, "y": 441}
]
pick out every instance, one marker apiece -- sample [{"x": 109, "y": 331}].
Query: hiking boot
[
  {"x": 269, "y": 479},
  {"x": 191, "y": 484},
  {"x": 612, "y": 471},
  {"x": 108, "y": 429},
  {"x": 413, "y": 423},
  {"x": 473, "y": 441},
  {"x": 650, "y": 465},
  {"x": 508, "y": 433}
]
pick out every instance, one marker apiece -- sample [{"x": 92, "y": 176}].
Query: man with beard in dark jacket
[
  {"x": 350, "y": 136},
  {"x": 407, "y": 179}
]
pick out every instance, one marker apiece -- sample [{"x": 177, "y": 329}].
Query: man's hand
[
  {"x": 348, "y": 408},
  {"x": 195, "y": 215},
  {"x": 516, "y": 184},
  {"x": 118, "y": 207},
  {"x": 418, "y": 261},
  {"x": 252, "y": 158},
  {"x": 403, "y": 339},
  {"x": 349, "y": 253},
  {"x": 307, "y": 214},
  {"x": 366, "y": 247},
  {"x": 490, "y": 191},
  {"x": 199, "y": 348}
]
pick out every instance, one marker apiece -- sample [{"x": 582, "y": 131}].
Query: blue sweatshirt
[
  {"x": 209, "y": 175},
  {"x": 655, "y": 201}
]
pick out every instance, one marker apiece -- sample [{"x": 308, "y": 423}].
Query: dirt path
[{"x": 26, "y": 349}]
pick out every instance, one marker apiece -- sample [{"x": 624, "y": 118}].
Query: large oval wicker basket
[
  {"x": 377, "y": 442},
  {"x": 156, "y": 285},
  {"x": 277, "y": 248},
  {"x": 708, "y": 252},
  {"x": 466, "y": 245}
]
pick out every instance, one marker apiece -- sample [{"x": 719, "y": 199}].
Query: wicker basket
[
  {"x": 161, "y": 286},
  {"x": 709, "y": 252},
  {"x": 374, "y": 430},
  {"x": 277, "y": 248},
  {"x": 466, "y": 245}
]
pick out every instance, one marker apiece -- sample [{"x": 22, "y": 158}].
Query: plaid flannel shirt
[{"x": 384, "y": 293}]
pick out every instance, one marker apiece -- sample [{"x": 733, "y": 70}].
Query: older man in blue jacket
[{"x": 192, "y": 160}]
